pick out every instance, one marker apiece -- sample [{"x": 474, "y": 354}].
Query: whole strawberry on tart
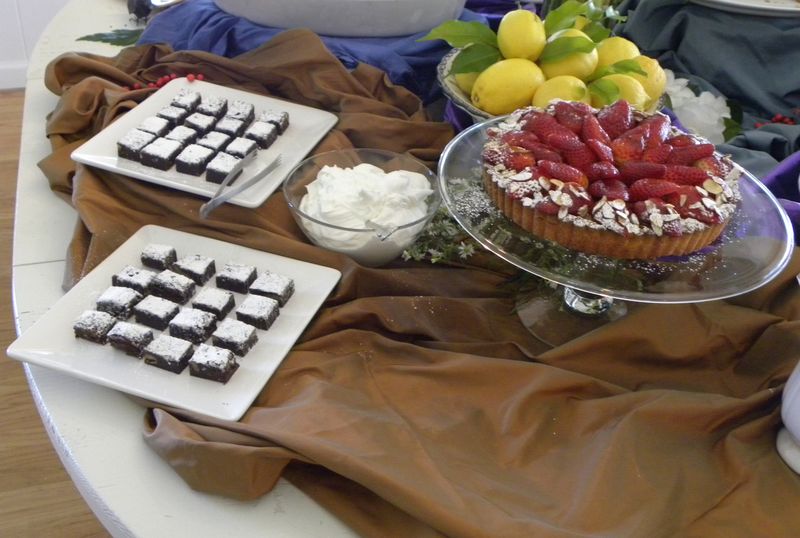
[{"x": 613, "y": 181}]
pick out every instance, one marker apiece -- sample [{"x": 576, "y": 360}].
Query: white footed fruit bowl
[
  {"x": 789, "y": 436},
  {"x": 354, "y": 18}
]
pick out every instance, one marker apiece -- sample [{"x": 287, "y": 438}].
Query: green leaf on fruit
[
  {"x": 564, "y": 46},
  {"x": 596, "y": 31},
  {"x": 622, "y": 67},
  {"x": 475, "y": 58},
  {"x": 121, "y": 37},
  {"x": 563, "y": 17},
  {"x": 460, "y": 34},
  {"x": 606, "y": 91}
]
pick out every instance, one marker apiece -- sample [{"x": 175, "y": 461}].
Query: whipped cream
[{"x": 367, "y": 199}]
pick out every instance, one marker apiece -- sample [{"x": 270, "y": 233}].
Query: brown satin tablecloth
[{"x": 416, "y": 404}]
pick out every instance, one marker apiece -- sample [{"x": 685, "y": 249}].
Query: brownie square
[
  {"x": 218, "y": 302},
  {"x": 118, "y": 301},
  {"x": 258, "y": 311},
  {"x": 213, "y": 106},
  {"x": 215, "y": 140},
  {"x": 158, "y": 256},
  {"x": 134, "y": 278},
  {"x": 94, "y": 325},
  {"x": 203, "y": 123},
  {"x": 220, "y": 166},
  {"x": 155, "y": 125},
  {"x": 130, "y": 145},
  {"x": 274, "y": 286},
  {"x": 168, "y": 353},
  {"x": 193, "y": 325},
  {"x": 230, "y": 126},
  {"x": 182, "y": 134},
  {"x": 160, "y": 153},
  {"x": 241, "y": 147},
  {"x": 130, "y": 338},
  {"x": 198, "y": 268},
  {"x": 186, "y": 99},
  {"x": 213, "y": 363},
  {"x": 193, "y": 159},
  {"x": 235, "y": 335},
  {"x": 170, "y": 285},
  {"x": 240, "y": 110},
  {"x": 279, "y": 119},
  {"x": 263, "y": 133},
  {"x": 173, "y": 114},
  {"x": 236, "y": 277},
  {"x": 155, "y": 312}
]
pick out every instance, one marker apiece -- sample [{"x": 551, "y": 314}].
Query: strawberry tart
[{"x": 612, "y": 182}]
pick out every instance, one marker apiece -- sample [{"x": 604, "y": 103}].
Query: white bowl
[
  {"x": 789, "y": 440},
  {"x": 354, "y": 18}
]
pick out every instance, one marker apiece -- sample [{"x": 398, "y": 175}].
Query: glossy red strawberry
[
  {"x": 601, "y": 150},
  {"x": 612, "y": 189},
  {"x": 683, "y": 140},
  {"x": 543, "y": 152},
  {"x": 627, "y": 148},
  {"x": 658, "y": 154},
  {"x": 493, "y": 155},
  {"x": 616, "y": 119},
  {"x": 601, "y": 170},
  {"x": 685, "y": 175},
  {"x": 658, "y": 129},
  {"x": 543, "y": 125},
  {"x": 633, "y": 170},
  {"x": 520, "y": 160},
  {"x": 713, "y": 165},
  {"x": 564, "y": 172},
  {"x": 645, "y": 188},
  {"x": 522, "y": 139},
  {"x": 688, "y": 202},
  {"x": 547, "y": 206},
  {"x": 592, "y": 130},
  {"x": 570, "y": 115},
  {"x": 580, "y": 198},
  {"x": 575, "y": 152},
  {"x": 686, "y": 155}
]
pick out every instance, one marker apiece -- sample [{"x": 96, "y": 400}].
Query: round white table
[{"x": 97, "y": 432}]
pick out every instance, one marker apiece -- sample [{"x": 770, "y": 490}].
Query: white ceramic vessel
[
  {"x": 789, "y": 437},
  {"x": 354, "y": 18}
]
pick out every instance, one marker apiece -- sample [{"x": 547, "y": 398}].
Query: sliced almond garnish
[{"x": 712, "y": 186}]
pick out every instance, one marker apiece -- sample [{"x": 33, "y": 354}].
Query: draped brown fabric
[{"x": 416, "y": 403}]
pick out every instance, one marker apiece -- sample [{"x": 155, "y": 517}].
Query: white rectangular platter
[
  {"x": 306, "y": 128},
  {"x": 50, "y": 342}
]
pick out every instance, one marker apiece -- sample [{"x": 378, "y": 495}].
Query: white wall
[{"x": 21, "y": 24}]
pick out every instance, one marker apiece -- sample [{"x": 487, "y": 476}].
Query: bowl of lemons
[{"x": 529, "y": 61}]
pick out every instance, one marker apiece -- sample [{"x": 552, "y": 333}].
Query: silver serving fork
[{"x": 221, "y": 197}]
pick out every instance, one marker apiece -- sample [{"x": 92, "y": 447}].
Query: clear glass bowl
[{"x": 373, "y": 246}]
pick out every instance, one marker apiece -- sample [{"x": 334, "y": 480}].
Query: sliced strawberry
[
  {"x": 713, "y": 165},
  {"x": 657, "y": 154},
  {"x": 575, "y": 152},
  {"x": 580, "y": 198},
  {"x": 658, "y": 128},
  {"x": 522, "y": 139},
  {"x": 627, "y": 148},
  {"x": 520, "y": 160},
  {"x": 612, "y": 189},
  {"x": 601, "y": 170},
  {"x": 570, "y": 116},
  {"x": 688, "y": 202},
  {"x": 600, "y": 149},
  {"x": 633, "y": 170},
  {"x": 592, "y": 130},
  {"x": 493, "y": 156},
  {"x": 564, "y": 172},
  {"x": 685, "y": 175},
  {"x": 645, "y": 188},
  {"x": 543, "y": 152},
  {"x": 680, "y": 141},
  {"x": 616, "y": 119},
  {"x": 543, "y": 125},
  {"x": 548, "y": 207},
  {"x": 686, "y": 155}
]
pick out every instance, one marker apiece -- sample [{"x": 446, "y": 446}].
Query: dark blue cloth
[{"x": 201, "y": 25}]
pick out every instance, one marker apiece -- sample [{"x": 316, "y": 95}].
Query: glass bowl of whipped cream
[{"x": 369, "y": 204}]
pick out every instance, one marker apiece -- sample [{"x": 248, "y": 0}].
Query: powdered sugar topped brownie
[
  {"x": 240, "y": 110},
  {"x": 263, "y": 133},
  {"x": 215, "y": 140},
  {"x": 193, "y": 325},
  {"x": 94, "y": 325},
  {"x": 218, "y": 302},
  {"x": 213, "y": 363},
  {"x": 155, "y": 125},
  {"x": 130, "y": 338},
  {"x": 230, "y": 126},
  {"x": 258, "y": 311},
  {"x": 273, "y": 285},
  {"x": 213, "y": 106},
  {"x": 186, "y": 99},
  {"x": 279, "y": 119},
  {"x": 182, "y": 134},
  {"x": 168, "y": 353},
  {"x": 173, "y": 286},
  {"x": 155, "y": 312},
  {"x": 236, "y": 277},
  {"x": 160, "y": 153},
  {"x": 130, "y": 145},
  {"x": 241, "y": 147},
  {"x": 135, "y": 278},
  {"x": 220, "y": 166},
  {"x": 118, "y": 301},
  {"x": 203, "y": 123},
  {"x": 158, "y": 256},
  {"x": 193, "y": 159},
  {"x": 173, "y": 114},
  {"x": 235, "y": 335},
  {"x": 196, "y": 266}
]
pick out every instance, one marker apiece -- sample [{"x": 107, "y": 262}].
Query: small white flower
[
  {"x": 465, "y": 250},
  {"x": 703, "y": 114}
]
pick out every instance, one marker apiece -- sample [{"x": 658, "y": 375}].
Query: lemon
[
  {"x": 614, "y": 49},
  {"x": 565, "y": 87},
  {"x": 577, "y": 64},
  {"x": 506, "y": 86},
  {"x": 629, "y": 89},
  {"x": 465, "y": 81},
  {"x": 654, "y": 83},
  {"x": 521, "y": 35}
]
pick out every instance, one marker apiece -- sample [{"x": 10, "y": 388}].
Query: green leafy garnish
[
  {"x": 475, "y": 58},
  {"x": 460, "y": 34},
  {"x": 606, "y": 91},
  {"x": 564, "y": 46},
  {"x": 622, "y": 67},
  {"x": 596, "y": 31},
  {"x": 564, "y": 16},
  {"x": 121, "y": 37},
  {"x": 733, "y": 125}
]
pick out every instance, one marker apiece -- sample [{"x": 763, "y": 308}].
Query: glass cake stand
[{"x": 588, "y": 290}]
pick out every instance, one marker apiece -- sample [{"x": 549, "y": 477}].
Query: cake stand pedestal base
[
  {"x": 564, "y": 314},
  {"x": 789, "y": 449}
]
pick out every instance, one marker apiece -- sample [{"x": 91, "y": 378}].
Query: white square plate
[
  {"x": 50, "y": 342},
  {"x": 307, "y": 126}
]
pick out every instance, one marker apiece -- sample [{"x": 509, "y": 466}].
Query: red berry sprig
[
  {"x": 777, "y": 118},
  {"x": 191, "y": 77}
]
